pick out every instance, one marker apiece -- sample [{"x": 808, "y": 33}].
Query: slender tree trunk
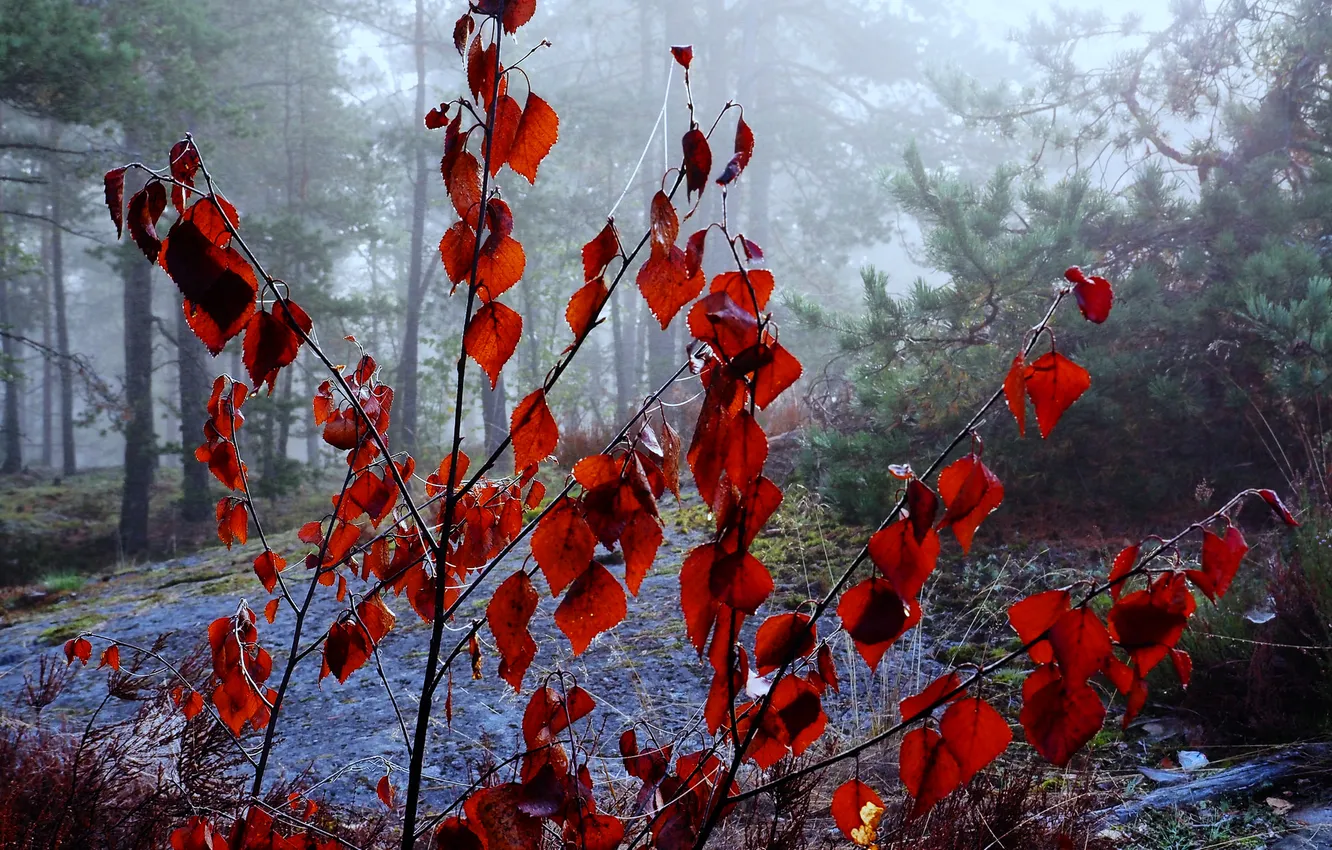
[
  {"x": 193, "y": 386},
  {"x": 406, "y": 414},
  {"x": 48, "y": 363},
  {"x": 68, "y": 459},
  {"x": 140, "y": 441},
  {"x": 9, "y": 364},
  {"x": 495, "y": 413},
  {"x": 13, "y": 461}
]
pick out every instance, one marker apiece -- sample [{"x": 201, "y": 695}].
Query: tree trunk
[
  {"x": 495, "y": 413},
  {"x": 48, "y": 363},
  {"x": 405, "y": 415},
  {"x": 194, "y": 389},
  {"x": 140, "y": 442},
  {"x": 9, "y": 365},
  {"x": 13, "y": 461},
  {"x": 69, "y": 462}
]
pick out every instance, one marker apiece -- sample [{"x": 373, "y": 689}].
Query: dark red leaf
[
  {"x": 538, "y": 131},
  {"x": 684, "y": 55},
  {"x": 782, "y": 639},
  {"x": 1033, "y": 616},
  {"x": 875, "y": 616},
  {"x": 1279, "y": 507},
  {"x": 496, "y": 815},
  {"x": 848, "y": 801},
  {"x": 492, "y": 337},
  {"x": 598, "y": 254},
  {"x": 1122, "y": 566},
  {"x": 1059, "y": 716},
  {"x": 1054, "y": 382},
  {"x": 517, "y": 13},
  {"x": 697, "y": 161},
  {"x": 562, "y": 545},
  {"x": 595, "y": 602},
  {"x": 584, "y": 308},
  {"x": 1221, "y": 559},
  {"x": 922, "y": 508},
  {"x": 971, "y": 492},
  {"x": 1081, "y": 644},
  {"x": 145, "y": 208},
  {"x": 533, "y": 430},
  {"x": 975, "y": 734},
  {"x": 1095, "y": 298},
  {"x": 929, "y": 770},
  {"x": 114, "y": 181},
  {"x": 1015, "y": 389},
  {"x": 901, "y": 559},
  {"x": 218, "y": 284}
]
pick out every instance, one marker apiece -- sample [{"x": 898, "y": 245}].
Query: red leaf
[
  {"x": 1034, "y": 615},
  {"x": 492, "y": 337},
  {"x": 1095, "y": 298},
  {"x": 684, "y": 55},
  {"x": 267, "y": 566},
  {"x": 517, "y": 13},
  {"x": 507, "y": 115},
  {"x": 901, "y": 559},
  {"x": 1183, "y": 664},
  {"x": 782, "y": 639},
  {"x": 847, "y": 803},
  {"x": 145, "y": 208},
  {"x": 311, "y": 533},
  {"x": 1221, "y": 559},
  {"x": 929, "y": 771},
  {"x": 595, "y": 602},
  {"x": 975, "y": 734},
  {"x": 1149, "y": 622},
  {"x": 1059, "y": 716},
  {"x": 971, "y": 492},
  {"x": 1122, "y": 566},
  {"x": 533, "y": 430},
  {"x": 192, "y": 705},
  {"x": 665, "y": 284},
  {"x": 592, "y": 831},
  {"x": 110, "y": 658},
  {"x": 915, "y": 707},
  {"x": 744, "y": 143},
  {"x": 747, "y": 450},
  {"x": 585, "y": 306},
  {"x": 562, "y": 545},
  {"x": 114, "y": 181},
  {"x": 598, "y": 254},
  {"x": 481, "y": 63},
  {"x": 496, "y": 815},
  {"x": 269, "y": 346},
  {"x": 827, "y": 670},
  {"x": 454, "y": 833},
  {"x": 385, "y": 792},
  {"x": 748, "y": 289},
  {"x": 780, "y": 370},
  {"x": 508, "y": 613},
  {"x": 184, "y": 162},
  {"x": 270, "y": 610},
  {"x": 1054, "y": 382},
  {"x": 1274, "y": 502},
  {"x": 694, "y": 248},
  {"x": 538, "y": 132},
  {"x": 1015, "y": 388},
  {"x": 697, "y": 161},
  {"x": 1081, "y": 644},
  {"x": 457, "y": 248},
  {"x": 438, "y": 116},
  {"x": 739, "y": 580},
  {"x": 216, "y": 218},
  {"x": 922, "y": 508},
  {"x": 464, "y": 184},
  {"x": 875, "y": 616},
  {"x": 218, "y": 285},
  {"x": 640, "y": 541},
  {"x": 665, "y": 224}
]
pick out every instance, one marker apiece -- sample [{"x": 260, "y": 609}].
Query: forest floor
[{"x": 645, "y": 674}]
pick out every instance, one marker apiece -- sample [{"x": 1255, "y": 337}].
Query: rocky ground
[{"x": 643, "y": 674}]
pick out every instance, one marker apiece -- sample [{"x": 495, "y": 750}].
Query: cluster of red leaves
[
  {"x": 221, "y": 292},
  {"x": 552, "y": 787},
  {"x": 257, "y": 831},
  {"x": 240, "y": 668}
]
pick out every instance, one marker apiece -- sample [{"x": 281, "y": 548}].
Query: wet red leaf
[
  {"x": 1058, "y": 715},
  {"x": 537, "y": 133},
  {"x": 975, "y": 734},
  {"x": 1054, "y": 382},
  {"x": 533, "y": 430},
  {"x": 594, "y": 603},
  {"x": 971, "y": 492},
  {"x": 508, "y": 613},
  {"x": 1221, "y": 557},
  {"x": 875, "y": 616},
  {"x": 929, "y": 770},
  {"x": 492, "y": 337},
  {"x": 1034, "y": 615},
  {"x": 782, "y": 639}
]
